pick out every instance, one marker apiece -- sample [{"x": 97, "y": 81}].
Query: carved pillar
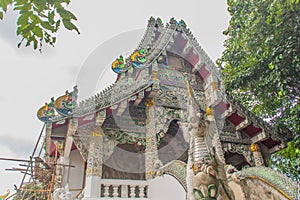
[
  {"x": 257, "y": 157},
  {"x": 58, "y": 168},
  {"x": 155, "y": 70},
  {"x": 94, "y": 164},
  {"x": 65, "y": 159},
  {"x": 151, "y": 151}
]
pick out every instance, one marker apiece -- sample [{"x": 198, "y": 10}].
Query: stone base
[{"x": 92, "y": 187}]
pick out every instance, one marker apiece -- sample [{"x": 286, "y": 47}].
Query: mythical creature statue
[
  {"x": 65, "y": 104},
  {"x": 47, "y": 112},
  {"x": 205, "y": 179},
  {"x": 230, "y": 170},
  {"x": 207, "y": 185},
  {"x": 265, "y": 183},
  {"x": 138, "y": 58},
  {"x": 63, "y": 194},
  {"x": 118, "y": 66}
]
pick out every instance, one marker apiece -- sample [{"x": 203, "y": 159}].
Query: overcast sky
[{"x": 28, "y": 78}]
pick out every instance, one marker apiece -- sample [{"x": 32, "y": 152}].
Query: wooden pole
[
  {"x": 30, "y": 158},
  {"x": 53, "y": 175}
]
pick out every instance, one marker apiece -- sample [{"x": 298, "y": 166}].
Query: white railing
[{"x": 124, "y": 189}]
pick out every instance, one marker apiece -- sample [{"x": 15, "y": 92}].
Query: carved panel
[
  {"x": 171, "y": 77},
  {"x": 171, "y": 96},
  {"x": 123, "y": 137},
  {"x": 240, "y": 149}
]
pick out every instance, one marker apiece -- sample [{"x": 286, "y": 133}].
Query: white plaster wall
[
  {"x": 165, "y": 188},
  {"x": 76, "y": 174}
]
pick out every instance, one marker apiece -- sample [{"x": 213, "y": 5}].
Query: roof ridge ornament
[
  {"x": 178, "y": 25},
  {"x": 64, "y": 106},
  {"x": 152, "y": 22},
  {"x": 47, "y": 112},
  {"x": 138, "y": 58},
  {"x": 118, "y": 66}
]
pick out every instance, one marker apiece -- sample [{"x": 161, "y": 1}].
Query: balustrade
[{"x": 124, "y": 189}]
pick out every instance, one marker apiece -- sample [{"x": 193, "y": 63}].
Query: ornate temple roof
[{"x": 157, "y": 39}]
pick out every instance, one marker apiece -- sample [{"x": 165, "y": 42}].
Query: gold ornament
[
  {"x": 154, "y": 74},
  {"x": 149, "y": 102},
  {"x": 208, "y": 111},
  {"x": 254, "y": 147},
  {"x": 195, "y": 168}
]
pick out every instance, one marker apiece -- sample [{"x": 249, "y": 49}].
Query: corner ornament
[
  {"x": 138, "y": 58},
  {"x": 65, "y": 104},
  {"x": 118, "y": 66},
  {"x": 47, "y": 112}
]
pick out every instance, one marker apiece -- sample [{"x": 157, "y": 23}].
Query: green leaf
[
  {"x": 51, "y": 17},
  {"x": 4, "y": 4},
  {"x": 1, "y": 15},
  {"x": 35, "y": 43},
  {"x": 17, "y": 8},
  {"x": 40, "y": 5},
  {"x": 57, "y": 25},
  {"x": 65, "y": 14},
  {"x": 23, "y": 19},
  {"x": 271, "y": 66},
  {"x": 26, "y": 29},
  {"x": 21, "y": 28},
  {"x": 53, "y": 39},
  {"x": 70, "y": 26},
  {"x": 38, "y": 31},
  {"x": 19, "y": 44},
  {"x": 51, "y": 2},
  {"x": 35, "y": 19},
  {"x": 47, "y": 26},
  {"x": 20, "y": 2}
]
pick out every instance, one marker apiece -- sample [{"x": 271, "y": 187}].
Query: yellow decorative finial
[
  {"x": 208, "y": 111},
  {"x": 46, "y": 106},
  {"x": 67, "y": 95},
  {"x": 189, "y": 89},
  {"x": 254, "y": 147}
]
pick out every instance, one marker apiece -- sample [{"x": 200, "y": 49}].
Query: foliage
[
  {"x": 288, "y": 159},
  {"x": 28, "y": 194},
  {"x": 39, "y": 20},
  {"x": 261, "y": 67}
]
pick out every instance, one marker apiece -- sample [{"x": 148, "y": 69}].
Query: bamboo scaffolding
[
  {"x": 37, "y": 173},
  {"x": 32, "y": 155}
]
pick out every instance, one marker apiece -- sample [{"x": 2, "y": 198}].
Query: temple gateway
[{"x": 167, "y": 114}]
